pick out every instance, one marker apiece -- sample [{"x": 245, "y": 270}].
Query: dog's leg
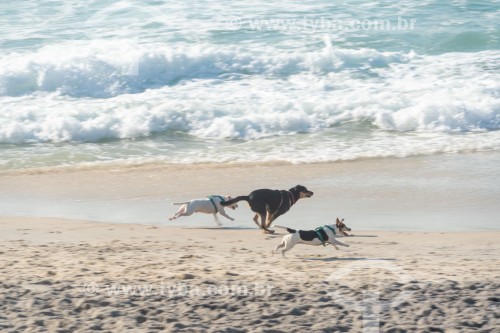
[
  {"x": 223, "y": 213},
  {"x": 336, "y": 241},
  {"x": 264, "y": 223},
  {"x": 282, "y": 244},
  {"x": 270, "y": 219},
  {"x": 180, "y": 212},
  {"x": 186, "y": 211},
  {"x": 260, "y": 210},
  {"x": 216, "y": 219},
  {"x": 290, "y": 241},
  {"x": 256, "y": 220},
  {"x": 176, "y": 215}
]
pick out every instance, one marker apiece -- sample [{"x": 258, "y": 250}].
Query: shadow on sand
[
  {"x": 219, "y": 228},
  {"x": 349, "y": 259},
  {"x": 362, "y": 236}
]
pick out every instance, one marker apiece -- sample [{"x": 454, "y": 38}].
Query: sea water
[{"x": 113, "y": 82}]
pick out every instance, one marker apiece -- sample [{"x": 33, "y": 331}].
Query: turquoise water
[{"x": 93, "y": 82}]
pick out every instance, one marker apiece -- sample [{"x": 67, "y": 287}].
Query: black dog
[{"x": 269, "y": 204}]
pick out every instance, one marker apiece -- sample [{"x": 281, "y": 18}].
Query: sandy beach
[
  {"x": 77, "y": 276},
  {"x": 424, "y": 256}
]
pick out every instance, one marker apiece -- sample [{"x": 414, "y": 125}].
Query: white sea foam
[
  {"x": 147, "y": 82},
  {"x": 101, "y": 68},
  {"x": 213, "y": 93}
]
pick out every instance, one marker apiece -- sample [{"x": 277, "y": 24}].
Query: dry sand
[{"x": 77, "y": 276}]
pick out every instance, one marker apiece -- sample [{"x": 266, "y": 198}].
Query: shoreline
[
  {"x": 441, "y": 192},
  {"x": 121, "y": 166}
]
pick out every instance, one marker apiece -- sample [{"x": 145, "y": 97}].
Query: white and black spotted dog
[
  {"x": 321, "y": 236},
  {"x": 210, "y": 205}
]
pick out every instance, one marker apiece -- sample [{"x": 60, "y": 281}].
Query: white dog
[
  {"x": 210, "y": 205},
  {"x": 321, "y": 236}
]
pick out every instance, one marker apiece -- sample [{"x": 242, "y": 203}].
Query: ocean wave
[
  {"x": 326, "y": 147},
  {"x": 60, "y": 119},
  {"x": 103, "y": 69},
  {"x": 455, "y": 92}
]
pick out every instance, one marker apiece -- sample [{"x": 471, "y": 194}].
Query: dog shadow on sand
[
  {"x": 349, "y": 259},
  {"x": 350, "y": 236},
  {"x": 354, "y": 258},
  {"x": 219, "y": 228}
]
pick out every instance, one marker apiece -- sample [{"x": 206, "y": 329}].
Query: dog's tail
[
  {"x": 179, "y": 203},
  {"x": 290, "y": 230},
  {"x": 232, "y": 201}
]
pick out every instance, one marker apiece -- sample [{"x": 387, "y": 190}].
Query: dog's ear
[{"x": 337, "y": 220}]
